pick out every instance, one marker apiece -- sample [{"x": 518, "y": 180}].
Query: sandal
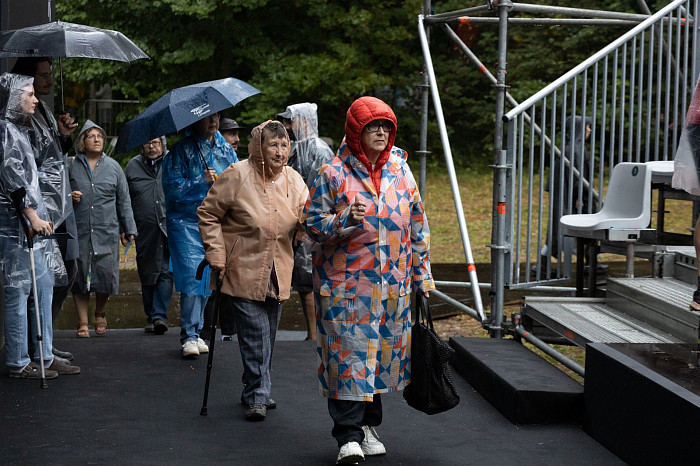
[
  {"x": 83, "y": 330},
  {"x": 100, "y": 327}
]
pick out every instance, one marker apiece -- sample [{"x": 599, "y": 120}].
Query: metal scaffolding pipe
[
  {"x": 545, "y": 21},
  {"x": 593, "y": 59},
  {"x": 425, "y": 101},
  {"x": 530, "y": 338},
  {"x": 578, "y": 12},
  {"x": 453, "y": 302},
  {"x": 487, "y": 286},
  {"x": 450, "y": 168},
  {"x": 447, "y": 16}
]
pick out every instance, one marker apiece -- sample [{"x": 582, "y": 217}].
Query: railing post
[
  {"x": 498, "y": 229},
  {"x": 425, "y": 89}
]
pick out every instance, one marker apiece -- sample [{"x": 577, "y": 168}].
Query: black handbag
[{"x": 431, "y": 389}]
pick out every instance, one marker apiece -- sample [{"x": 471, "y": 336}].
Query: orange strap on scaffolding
[
  {"x": 471, "y": 268},
  {"x": 501, "y": 208},
  {"x": 464, "y": 20}
]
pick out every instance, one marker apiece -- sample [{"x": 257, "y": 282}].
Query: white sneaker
[
  {"x": 190, "y": 349},
  {"x": 202, "y": 347},
  {"x": 371, "y": 445},
  {"x": 350, "y": 453}
]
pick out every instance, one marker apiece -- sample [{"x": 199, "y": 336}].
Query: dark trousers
[
  {"x": 349, "y": 416},
  {"x": 60, "y": 293}
]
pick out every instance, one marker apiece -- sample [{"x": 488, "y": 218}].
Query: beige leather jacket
[{"x": 248, "y": 222}]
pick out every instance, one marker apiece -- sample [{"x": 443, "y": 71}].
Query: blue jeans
[
  {"x": 16, "y": 344},
  {"x": 256, "y": 323},
  {"x": 191, "y": 316},
  {"x": 156, "y": 298}
]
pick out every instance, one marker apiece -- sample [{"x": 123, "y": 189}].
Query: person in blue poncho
[{"x": 189, "y": 170}]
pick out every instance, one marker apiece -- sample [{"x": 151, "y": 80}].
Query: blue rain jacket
[{"x": 185, "y": 187}]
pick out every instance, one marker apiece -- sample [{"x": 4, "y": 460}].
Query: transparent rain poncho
[
  {"x": 686, "y": 174},
  {"x": 18, "y": 173},
  {"x": 308, "y": 153},
  {"x": 50, "y": 161}
]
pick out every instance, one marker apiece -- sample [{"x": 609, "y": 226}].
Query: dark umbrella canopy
[
  {"x": 180, "y": 108},
  {"x": 61, "y": 40}
]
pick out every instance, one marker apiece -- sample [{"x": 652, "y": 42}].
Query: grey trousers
[{"x": 256, "y": 323}]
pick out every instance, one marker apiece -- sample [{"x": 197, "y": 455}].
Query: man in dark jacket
[{"x": 143, "y": 173}]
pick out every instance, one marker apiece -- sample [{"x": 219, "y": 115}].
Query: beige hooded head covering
[{"x": 255, "y": 154}]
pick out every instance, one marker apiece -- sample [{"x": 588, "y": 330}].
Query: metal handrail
[{"x": 586, "y": 64}]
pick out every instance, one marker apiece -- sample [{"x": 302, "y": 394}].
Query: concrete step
[{"x": 660, "y": 302}]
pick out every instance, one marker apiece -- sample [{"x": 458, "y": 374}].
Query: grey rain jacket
[
  {"x": 148, "y": 203},
  {"x": 103, "y": 212}
]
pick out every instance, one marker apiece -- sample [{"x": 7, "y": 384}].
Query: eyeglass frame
[
  {"x": 157, "y": 142},
  {"x": 386, "y": 125},
  {"x": 95, "y": 136}
]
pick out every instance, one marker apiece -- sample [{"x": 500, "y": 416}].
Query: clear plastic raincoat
[
  {"x": 686, "y": 175},
  {"x": 185, "y": 187},
  {"x": 18, "y": 172},
  {"x": 103, "y": 212},
  {"x": 308, "y": 154}
]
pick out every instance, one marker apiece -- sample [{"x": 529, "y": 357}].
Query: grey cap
[
  {"x": 286, "y": 115},
  {"x": 227, "y": 124}
]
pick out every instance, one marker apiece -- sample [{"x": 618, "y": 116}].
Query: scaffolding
[{"x": 627, "y": 89}]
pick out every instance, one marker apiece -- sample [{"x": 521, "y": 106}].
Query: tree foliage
[{"x": 330, "y": 52}]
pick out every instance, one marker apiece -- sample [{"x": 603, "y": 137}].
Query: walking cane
[
  {"x": 212, "y": 341},
  {"x": 17, "y": 198}
]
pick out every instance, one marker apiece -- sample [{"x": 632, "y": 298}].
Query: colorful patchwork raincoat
[{"x": 364, "y": 274}]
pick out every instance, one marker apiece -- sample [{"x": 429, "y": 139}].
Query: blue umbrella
[{"x": 180, "y": 108}]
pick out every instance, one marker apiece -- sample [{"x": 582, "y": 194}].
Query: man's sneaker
[
  {"x": 33, "y": 371},
  {"x": 226, "y": 337},
  {"x": 62, "y": 368},
  {"x": 694, "y": 306},
  {"x": 61, "y": 354},
  {"x": 190, "y": 349},
  {"x": 350, "y": 453},
  {"x": 256, "y": 412},
  {"x": 371, "y": 445},
  {"x": 159, "y": 327},
  {"x": 148, "y": 328},
  {"x": 203, "y": 348}
]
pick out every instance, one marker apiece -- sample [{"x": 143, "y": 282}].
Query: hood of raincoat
[
  {"x": 89, "y": 124},
  {"x": 11, "y": 88},
  {"x": 255, "y": 147},
  {"x": 304, "y": 120},
  {"x": 365, "y": 110}
]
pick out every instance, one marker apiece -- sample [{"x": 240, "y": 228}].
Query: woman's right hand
[
  {"x": 357, "y": 212},
  {"x": 76, "y": 195}
]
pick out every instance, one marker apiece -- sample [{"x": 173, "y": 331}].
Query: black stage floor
[{"x": 138, "y": 402}]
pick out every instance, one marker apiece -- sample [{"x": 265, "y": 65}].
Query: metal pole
[
  {"x": 530, "y": 338},
  {"x": 471, "y": 268},
  {"x": 579, "y": 12},
  {"x": 425, "y": 96},
  {"x": 498, "y": 231},
  {"x": 546, "y": 21},
  {"x": 441, "y": 17}
]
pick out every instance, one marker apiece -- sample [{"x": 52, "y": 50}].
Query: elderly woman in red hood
[
  {"x": 247, "y": 223},
  {"x": 372, "y": 250}
]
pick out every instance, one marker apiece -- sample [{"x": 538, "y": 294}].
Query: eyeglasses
[
  {"x": 374, "y": 126},
  {"x": 151, "y": 143},
  {"x": 44, "y": 76},
  {"x": 95, "y": 137}
]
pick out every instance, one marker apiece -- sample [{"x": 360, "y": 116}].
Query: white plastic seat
[{"x": 627, "y": 206}]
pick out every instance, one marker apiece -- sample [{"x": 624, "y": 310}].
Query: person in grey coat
[
  {"x": 308, "y": 153},
  {"x": 144, "y": 175},
  {"x": 103, "y": 211}
]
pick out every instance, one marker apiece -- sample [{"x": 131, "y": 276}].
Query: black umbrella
[
  {"x": 180, "y": 108},
  {"x": 61, "y": 40}
]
